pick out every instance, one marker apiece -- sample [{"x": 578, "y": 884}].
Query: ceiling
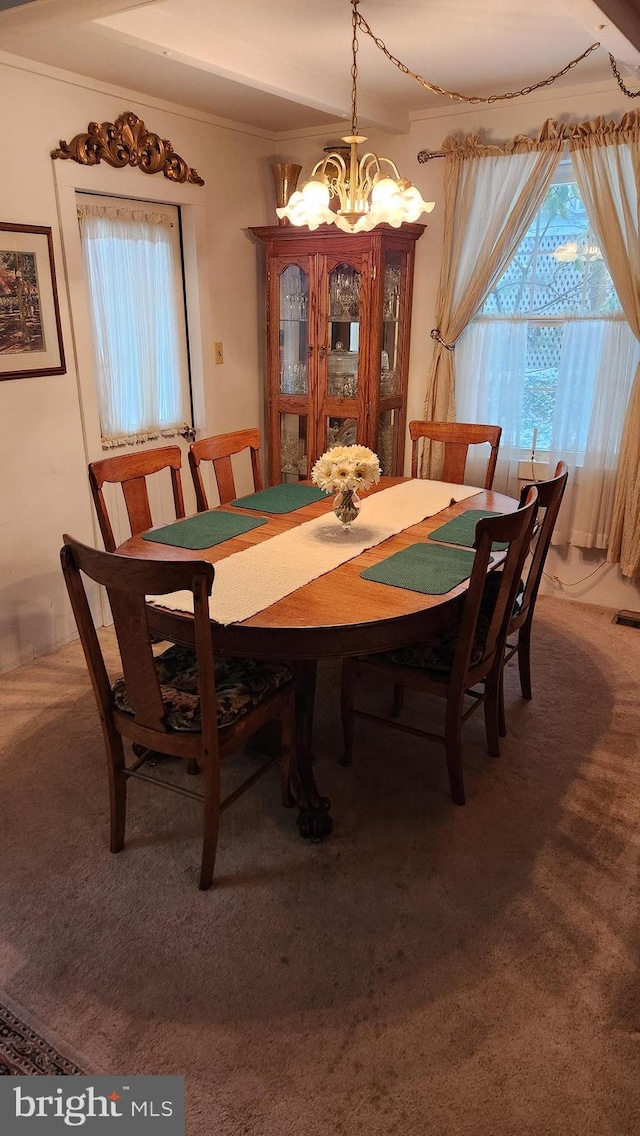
[{"x": 283, "y": 66}]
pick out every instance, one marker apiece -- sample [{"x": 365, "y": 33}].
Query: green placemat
[
  {"x": 462, "y": 529},
  {"x": 280, "y": 498},
  {"x": 204, "y": 530},
  {"x": 423, "y": 568}
]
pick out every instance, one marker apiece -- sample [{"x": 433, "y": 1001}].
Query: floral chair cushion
[
  {"x": 240, "y": 685},
  {"x": 436, "y": 655}
]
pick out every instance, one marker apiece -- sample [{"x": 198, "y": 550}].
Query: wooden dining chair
[
  {"x": 550, "y": 494},
  {"x": 184, "y": 702},
  {"x": 464, "y": 656},
  {"x": 456, "y": 438},
  {"x": 131, "y": 471},
  {"x": 220, "y": 450}
]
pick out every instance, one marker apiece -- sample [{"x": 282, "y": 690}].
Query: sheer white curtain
[
  {"x": 491, "y": 364},
  {"x": 491, "y": 197},
  {"x": 598, "y": 360},
  {"x": 606, "y": 160},
  {"x": 597, "y": 364},
  {"x": 130, "y": 259}
]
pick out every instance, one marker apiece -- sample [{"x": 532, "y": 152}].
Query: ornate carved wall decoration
[{"x": 127, "y": 142}]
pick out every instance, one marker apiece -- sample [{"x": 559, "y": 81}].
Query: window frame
[
  {"x": 564, "y": 174},
  {"x": 185, "y": 428},
  {"x": 71, "y": 178}
]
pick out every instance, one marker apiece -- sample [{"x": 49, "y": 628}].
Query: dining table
[{"x": 336, "y": 613}]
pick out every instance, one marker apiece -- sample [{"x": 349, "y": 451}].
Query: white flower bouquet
[{"x": 346, "y": 467}]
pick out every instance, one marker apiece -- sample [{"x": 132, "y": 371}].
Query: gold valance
[
  {"x": 552, "y": 135},
  {"x": 600, "y": 132}
]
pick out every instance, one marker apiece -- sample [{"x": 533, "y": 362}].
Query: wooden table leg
[{"x": 314, "y": 820}]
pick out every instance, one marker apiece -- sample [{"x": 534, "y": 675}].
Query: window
[
  {"x": 133, "y": 264},
  {"x": 535, "y": 358}
]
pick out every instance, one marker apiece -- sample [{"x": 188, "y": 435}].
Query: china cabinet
[{"x": 338, "y": 327}]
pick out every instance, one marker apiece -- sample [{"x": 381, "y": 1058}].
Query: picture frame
[{"x": 30, "y": 329}]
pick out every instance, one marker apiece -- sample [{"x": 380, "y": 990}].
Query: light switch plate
[{"x": 218, "y": 353}]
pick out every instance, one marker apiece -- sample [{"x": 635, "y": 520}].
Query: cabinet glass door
[
  {"x": 391, "y": 326},
  {"x": 344, "y": 332},
  {"x": 341, "y": 431},
  {"x": 293, "y": 387},
  {"x": 294, "y": 330},
  {"x": 339, "y": 411},
  {"x": 293, "y": 447},
  {"x": 389, "y": 381},
  {"x": 387, "y": 433}
]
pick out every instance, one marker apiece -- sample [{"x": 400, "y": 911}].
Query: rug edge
[{"x": 64, "y": 1049}]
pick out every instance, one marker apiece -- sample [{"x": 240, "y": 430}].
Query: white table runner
[{"x": 249, "y": 581}]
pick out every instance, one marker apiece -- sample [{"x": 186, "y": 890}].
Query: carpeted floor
[{"x": 427, "y": 970}]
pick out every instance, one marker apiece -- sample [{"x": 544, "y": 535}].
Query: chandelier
[{"x": 369, "y": 190}]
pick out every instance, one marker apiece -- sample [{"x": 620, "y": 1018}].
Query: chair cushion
[
  {"x": 437, "y": 654},
  {"x": 240, "y": 685}
]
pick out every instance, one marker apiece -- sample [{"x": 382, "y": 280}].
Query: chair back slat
[
  {"x": 131, "y": 471},
  {"x": 455, "y": 461},
  {"x": 136, "y": 498},
  {"x": 550, "y": 494},
  {"x": 86, "y": 630},
  {"x": 456, "y": 437},
  {"x": 134, "y": 642},
  {"x": 204, "y": 653},
  {"x": 224, "y": 479},
  {"x": 516, "y": 529},
  {"x": 219, "y": 450}
]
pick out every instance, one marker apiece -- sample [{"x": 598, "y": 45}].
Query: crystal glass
[
  {"x": 290, "y": 453},
  {"x": 344, "y": 293}
]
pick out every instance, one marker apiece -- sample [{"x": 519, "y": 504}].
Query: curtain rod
[{"x": 427, "y": 155}]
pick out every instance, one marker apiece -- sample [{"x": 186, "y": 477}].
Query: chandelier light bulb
[
  {"x": 414, "y": 203},
  {"x": 369, "y": 190},
  {"x": 316, "y": 192},
  {"x": 384, "y": 190}
]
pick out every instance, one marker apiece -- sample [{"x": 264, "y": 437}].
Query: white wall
[{"x": 42, "y": 457}]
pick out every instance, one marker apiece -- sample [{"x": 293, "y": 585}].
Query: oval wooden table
[{"x": 335, "y": 615}]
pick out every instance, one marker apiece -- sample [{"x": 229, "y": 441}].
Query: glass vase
[
  {"x": 346, "y": 506},
  {"x": 285, "y": 179}
]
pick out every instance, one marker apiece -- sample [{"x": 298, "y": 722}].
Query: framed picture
[{"x": 30, "y": 332}]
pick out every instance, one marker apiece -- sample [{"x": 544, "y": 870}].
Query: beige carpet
[{"x": 427, "y": 970}]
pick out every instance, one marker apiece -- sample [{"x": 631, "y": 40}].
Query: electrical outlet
[{"x": 218, "y": 353}]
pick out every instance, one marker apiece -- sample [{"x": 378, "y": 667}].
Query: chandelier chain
[
  {"x": 354, "y": 67},
  {"x": 456, "y": 95},
  {"x": 621, "y": 83}
]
